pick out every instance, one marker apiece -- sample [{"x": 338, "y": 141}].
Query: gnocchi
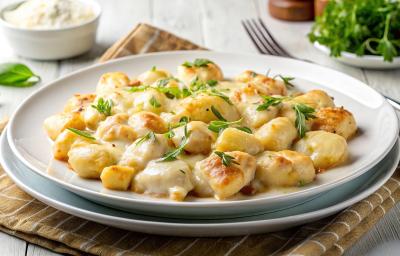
[{"x": 197, "y": 134}]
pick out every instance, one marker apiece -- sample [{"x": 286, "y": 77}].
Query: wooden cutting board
[{"x": 292, "y": 10}]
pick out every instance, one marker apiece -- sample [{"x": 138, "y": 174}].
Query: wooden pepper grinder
[{"x": 292, "y": 10}]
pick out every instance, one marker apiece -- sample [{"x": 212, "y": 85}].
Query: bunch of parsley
[{"x": 361, "y": 27}]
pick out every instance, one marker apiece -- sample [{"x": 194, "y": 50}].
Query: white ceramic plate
[
  {"x": 375, "y": 117},
  {"x": 325, "y": 205},
  {"x": 366, "y": 61}
]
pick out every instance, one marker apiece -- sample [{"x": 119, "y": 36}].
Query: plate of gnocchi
[{"x": 224, "y": 135}]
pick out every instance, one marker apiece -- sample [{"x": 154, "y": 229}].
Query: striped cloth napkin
[{"x": 27, "y": 218}]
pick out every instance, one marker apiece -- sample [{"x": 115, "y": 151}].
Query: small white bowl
[
  {"x": 366, "y": 61},
  {"x": 51, "y": 44}
]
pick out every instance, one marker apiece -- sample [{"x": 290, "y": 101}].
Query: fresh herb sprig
[
  {"x": 17, "y": 75},
  {"x": 154, "y": 103},
  {"x": 361, "y": 27},
  {"x": 149, "y": 136},
  {"x": 172, "y": 155},
  {"x": 226, "y": 159},
  {"x": 218, "y": 125},
  {"x": 103, "y": 106},
  {"x": 287, "y": 80},
  {"x": 221, "y": 118},
  {"x": 270, "y": 101},
  {"x": 82, "y": 133},
  {"x": 303, "y": 113},
  {"x": 198, "y": 63}
]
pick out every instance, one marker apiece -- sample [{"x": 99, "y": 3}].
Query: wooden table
[{"x": 215, "y": 25}]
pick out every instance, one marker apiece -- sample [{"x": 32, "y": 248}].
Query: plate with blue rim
[{"x": 327, "y": 204}]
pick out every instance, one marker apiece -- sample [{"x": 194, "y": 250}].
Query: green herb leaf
[
  {"x": 197, "y": 63},
  {"x": 217, "y": 93},
  {"x": 270, "y": 101},
  {"x": 82, "y": 133},
  {"x": 218, "y": 126},
  {"x": 154, "y": 103},
  {"x": 172, "y": 155},
  {"x": 217, "y": 113},
  {"x": 359, "y": 26},
  {"x": 17, "y": 75},
  {"x": 303, "y": 113},
  {"x": 148, "y": 136},
  {"x": 103, "y": 106},
  {"x": 227, "y": 160},
  {"x": 139, "y": 88},
  {"x": 286, "y": 80},
  {"x": 153, "y": 68},
  {"x": 245, "y": 129}
]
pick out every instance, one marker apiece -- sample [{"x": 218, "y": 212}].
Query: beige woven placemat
[{"x": 25, "y": 217}]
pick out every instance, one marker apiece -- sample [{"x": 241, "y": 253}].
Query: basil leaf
[{"x": 17, "y": 75}]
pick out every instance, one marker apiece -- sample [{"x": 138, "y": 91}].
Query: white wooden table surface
[{"x": 215, "y": 25}]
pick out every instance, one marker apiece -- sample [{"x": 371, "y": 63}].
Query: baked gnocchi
[{"x": 200, "y": 135}]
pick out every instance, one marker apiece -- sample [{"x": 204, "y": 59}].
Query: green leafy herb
[
  {"x": 217, "y": 126},
  {"x": 197, "y": 63},
  {"x": 139, "y": 88},
  {"x": 217, "y": 113},
  {"x": 212, "y": 83},
  {"x": 303, "y": 113},
  {"x": 301, "y": 183},
  {"x": 184, "y": 120},
  {"x": 103, "y": 106},
  {"x": 171, "y": 155},
  {"x": 245, "y": 129},
  {"x": 17, "y": 75},
  {"x": 270, "y": 101},
  {"x": 217, "y": 93},
  {"x": 154, "y": 103},
  {"x": 148, "y": 136},
  {"x": 82, "y": 133},
  {"x": 227, "y": 160},
  {"x": 361, "y": 27},
  {"x": 153, "y": 68},
  {"x": 286, "y": 80},
  {"x": 170, "y": 134}
]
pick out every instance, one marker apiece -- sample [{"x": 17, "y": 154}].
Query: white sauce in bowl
[{"x": 50, "y": 14}]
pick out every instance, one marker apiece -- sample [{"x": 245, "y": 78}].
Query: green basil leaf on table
[{"x": 17, "y": 75}]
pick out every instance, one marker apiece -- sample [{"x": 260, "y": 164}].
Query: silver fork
[{"x": 266, "y": 44}]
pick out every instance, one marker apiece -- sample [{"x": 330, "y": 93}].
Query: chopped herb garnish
[
  {"x": 301, "y": 183},
  {"x": 198, "y": 63},
  {"x": 153, "y": 68},
  {"x": 217, "y": 93},
  {"x": 217, "y": 113},
  {"x": 171, "y": 155},
  {"x": 184, "y": 120},
  {"x": 82, "y": 133},
  {"x": 139, "y": 88},
  {"x": 212, "y": 83},
  {"x": 104, "y": 106},
  {"x": 218, "y": 126},
  {"x": 253, "y": 74},
  {"x": 227, "y": 160},
  {"x": 153, "y": 102},
  {"x": 170, "y": 134},
  {"x": 286, "y": 80},
  {"x": 245, "y": 129},
  {"x": 303, "y": 113},
  {"x": 148, "y": 136},
  {"x": 270, "y": 101},
  {"x": 182, "y": 171}
]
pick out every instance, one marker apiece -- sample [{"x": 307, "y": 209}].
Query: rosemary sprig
[
  {"x": 103, "y": 106},
  {"x": 303, "y": 113},
  {"x": 227, "y": 160},
  {"x": 82, "y": 133}
]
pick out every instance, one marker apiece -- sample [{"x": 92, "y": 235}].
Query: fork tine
[
  {"x": 261, "y": 41},
  {"x": 264, "y": 27},
  {"x": 253, "y": 38},
  {"x": 266, "y": 41}
]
